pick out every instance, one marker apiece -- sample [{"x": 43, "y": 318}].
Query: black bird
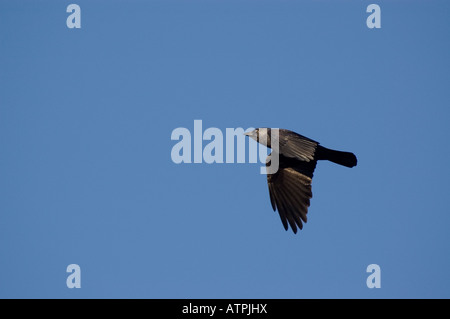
[{"x": 290, "y": 186}]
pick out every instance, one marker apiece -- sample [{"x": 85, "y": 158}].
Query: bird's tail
[{"x": 342, "y": 158}]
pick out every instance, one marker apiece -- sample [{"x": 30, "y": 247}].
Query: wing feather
[
  {"x": 297, "y": 146},
  {"x": 290, "y": 194}
]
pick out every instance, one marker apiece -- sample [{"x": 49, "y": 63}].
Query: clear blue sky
[{"x": 86, "y": 175}]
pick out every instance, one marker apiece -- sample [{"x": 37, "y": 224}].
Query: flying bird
[{"x": 290, "y": 186}]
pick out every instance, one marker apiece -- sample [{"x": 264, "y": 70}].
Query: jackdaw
[{"x": 290, "y": 186}]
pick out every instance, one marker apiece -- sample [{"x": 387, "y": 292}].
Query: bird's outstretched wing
[
  {"x": 290, "y": 192},
  {"x": 296, "y": 146}
]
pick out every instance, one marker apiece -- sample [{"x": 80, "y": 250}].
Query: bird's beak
[{"x": 250, "y": 134}]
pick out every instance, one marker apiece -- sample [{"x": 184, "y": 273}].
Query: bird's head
[{"x": 261, "y": 135}]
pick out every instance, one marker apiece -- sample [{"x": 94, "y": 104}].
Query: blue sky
[{"x": 86, "y": 175}]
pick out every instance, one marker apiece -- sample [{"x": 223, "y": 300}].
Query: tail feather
[{"x": 342, "y": 158}]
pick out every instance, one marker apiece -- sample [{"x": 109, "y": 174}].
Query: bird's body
[{"x": 290, "y": 186}]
